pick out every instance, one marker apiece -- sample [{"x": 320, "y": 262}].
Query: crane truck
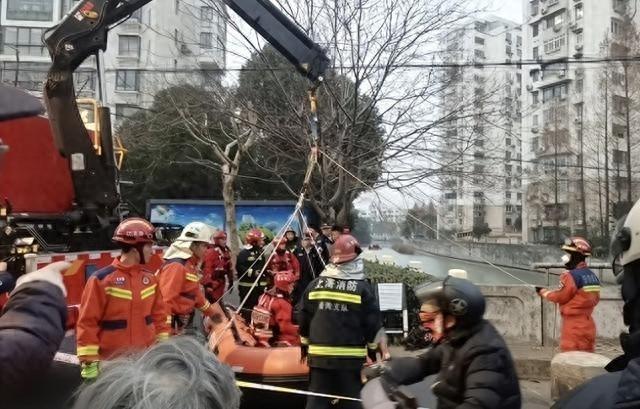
[{"x": 59, "y": 183}]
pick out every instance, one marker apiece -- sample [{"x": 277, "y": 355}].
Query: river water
[{"x": 478, "y": 272}]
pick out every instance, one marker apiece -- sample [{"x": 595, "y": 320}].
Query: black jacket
[
  {"x": 339, "y": 318},
  {"x": 310, "y": 267},
  {"x": 250, "y": 259},
  {"x": 323, "y": 244},
  {"x": 618, "y": 390},
  {"x": 32, "y": 327},
  {"x": 475, "y": 371}
]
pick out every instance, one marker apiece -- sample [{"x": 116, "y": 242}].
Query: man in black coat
[
  {"x": 474, "y": 366},
  {"x": 311, "y": 266},
  {"x": 32, "y": 326}
]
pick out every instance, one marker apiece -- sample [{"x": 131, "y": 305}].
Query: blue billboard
[{"x": 268, "y": 216}]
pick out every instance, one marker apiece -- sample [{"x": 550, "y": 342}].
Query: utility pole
[
  {"x": 628, "y": 135},
  {"x": 583, "y": 200},
  {"x": 556, "y": 211},
  {"x": 607, "y": 204}
]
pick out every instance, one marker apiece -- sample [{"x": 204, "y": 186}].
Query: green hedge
[{"x": 386, "y": 273}]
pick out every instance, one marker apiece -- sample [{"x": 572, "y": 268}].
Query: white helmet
[
  {"x": 196, "y": 231},
  {"x": 625, "y": 242}
]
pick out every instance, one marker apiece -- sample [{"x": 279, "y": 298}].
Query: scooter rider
[{"x": 474, "y": 366}]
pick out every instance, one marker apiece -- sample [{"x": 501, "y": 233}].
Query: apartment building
[
  {"x": 164, "y": 43},
  {"x": 483, "y": 189},
  {"x": 571, "y": 112}
]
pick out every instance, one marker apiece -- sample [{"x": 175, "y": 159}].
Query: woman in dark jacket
[
  {"x": 32, "y": 326},
  {"x": 474, "y": 366}
]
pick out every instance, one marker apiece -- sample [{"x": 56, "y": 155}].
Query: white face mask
[{"x": 566, "y": 258}]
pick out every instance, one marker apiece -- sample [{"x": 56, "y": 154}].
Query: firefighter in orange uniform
[
  {"x": 121, "y": 307},
  {"x": 283, "y": 259},
  {"x": 578, "y": 295},
  {"x": 179, "y": 277},
  {"x": 276, "y": 313},
  {"x": 217, "y": 267}
]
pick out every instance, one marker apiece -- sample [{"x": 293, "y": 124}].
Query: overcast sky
[
  {"x": 511, "y": 9},
  {"x": 238, "y": 52}
]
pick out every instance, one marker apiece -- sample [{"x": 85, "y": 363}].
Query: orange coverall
[
  {"x": 578, "y": 295},
  {"x": 121, "y": 309},
  {"x": 217, "y": 266},
  {"x": 284, "y": 262},
  {"x": 180, "y": 288},
  {"x": 281, "y": 312}
]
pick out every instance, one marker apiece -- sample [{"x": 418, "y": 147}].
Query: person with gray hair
[{"x": 178, "y": 373}]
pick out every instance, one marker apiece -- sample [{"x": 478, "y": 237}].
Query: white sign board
[{"x": 390, "y": 296}]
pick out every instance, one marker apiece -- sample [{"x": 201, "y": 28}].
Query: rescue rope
[
  {"x": 262, "y": 271},
  {"x": 271, "y": 388},
  {"x": 73, "y": 360},
  {"x": 418, "y": 220}
]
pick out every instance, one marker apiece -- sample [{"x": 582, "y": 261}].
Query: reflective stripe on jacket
[{"x": 121, "y": 309}]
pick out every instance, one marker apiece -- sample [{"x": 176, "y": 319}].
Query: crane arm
[{"x": 83, "y": 32}]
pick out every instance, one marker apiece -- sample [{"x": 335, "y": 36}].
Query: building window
[
  {"x": 534, "y": 144},
  {"x": 85, "y": 82},
  {"x": 177, "y": 6},
  {"x": 535, "y": 121},
  {"x": 617, "y": 77},
  {"x": 553, "y": 45},
  {"x": 206, "y": 40},
  {"x": 616, "y": 26},
  {"x": 519, "y": 41},
  {"x": 479, "y": 40},
  {"x": 534, "y": 28},
  {"x": 206, "y": 13},
  {"x": 124, "y": 111},
  {"x": 129, "y": 46},
  {"x": 551, "y": 93},
  {"x": 579, "y": 38},
  {"x": 127, "y": 80},
  {"x": 578, "y": 12},
  {"x": 556, "y": 20},
  {"x": 30, "y": 76},
  {"x": 536, "y": 53},
  {"x": 619, "y": 156},
  {"x": 478, "y": 53},
  {"x": 26, "y": 40},
  {"x": 30, "y": 10},
  {"x": 535, "y": 98},
  {"x": 534, "y": 7},
  {"x": 509, "y": 208},
  {"x": 579, "y": 86},
  {"x": 535, "y": 75},
  {"x": 619, "y": 105}
]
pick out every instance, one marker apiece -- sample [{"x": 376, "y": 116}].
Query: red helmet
[
  {"x": 577, "y": 245},
  {"x": 283, "y": 280},
  {"x": 134, "y": 231},
  {"x": 220, "y": 235},
  {"x": 254, "y": 236},
  {"x": 345, "y": 249}
]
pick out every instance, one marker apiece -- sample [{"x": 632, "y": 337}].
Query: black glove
[
  {"x": 375, "y": 370},
  {"x": 538, "y": 289},
  {"x": 304, "y": 352}
]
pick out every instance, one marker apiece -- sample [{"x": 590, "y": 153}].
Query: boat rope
[
  {"x": 271, "y": 388},
  {"x": 73, "y": 360},
  {"x": 330, "y": 159}
]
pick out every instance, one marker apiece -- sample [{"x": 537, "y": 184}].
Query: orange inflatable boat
[{"x": 235, "y": 345}]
